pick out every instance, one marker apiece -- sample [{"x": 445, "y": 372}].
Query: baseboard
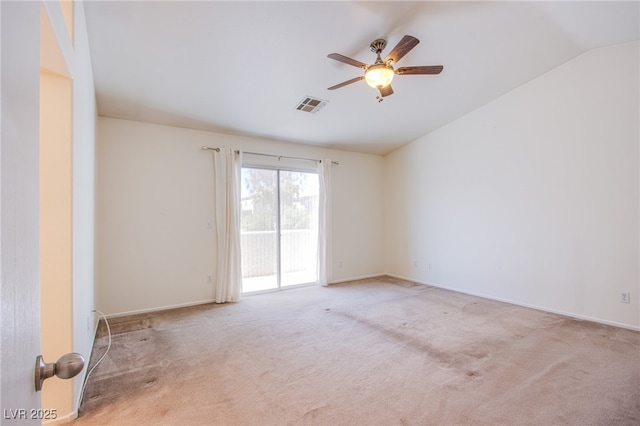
[
  {"x": 160, "y": 308},
  {"x": 364, "y": 277},
  {"x": 61, "y": 420},
  {"x": 458, "y": 290},
  {"x": 525, "y": 305},
  {"x": 203, "y": 302}
]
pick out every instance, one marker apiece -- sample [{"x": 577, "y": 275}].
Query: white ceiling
[{"x": 242, "y": 67}]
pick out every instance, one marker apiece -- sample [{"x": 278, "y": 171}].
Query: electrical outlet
[
  {"x": 625, "y": 297},
  {"x": 209, "y": 279}
]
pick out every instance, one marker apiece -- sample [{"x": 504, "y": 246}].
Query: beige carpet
[{"x": 372, "y": 352}]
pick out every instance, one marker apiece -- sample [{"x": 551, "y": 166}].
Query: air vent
[{"x": 310, "y": 104}]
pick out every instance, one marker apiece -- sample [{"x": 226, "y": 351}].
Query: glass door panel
[
  {"x": 298, "y": 227},
  {"x": 259, "y": 229}
]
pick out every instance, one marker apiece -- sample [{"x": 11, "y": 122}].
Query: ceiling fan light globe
[{"x": 379, "y": 75}]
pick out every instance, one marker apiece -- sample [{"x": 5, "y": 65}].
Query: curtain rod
[{"x": 270, "y": 155}]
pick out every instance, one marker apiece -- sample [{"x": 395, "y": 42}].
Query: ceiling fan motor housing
[{"x": 378, "y": 45}]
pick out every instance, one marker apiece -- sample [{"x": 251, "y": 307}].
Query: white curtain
[
  {"x": 227, "y": 169},
  {"x": 324, "y": 225}
]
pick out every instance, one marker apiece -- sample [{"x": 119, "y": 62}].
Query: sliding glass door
[
  {"x": 298, "y": 227},
  {"x": 259, "y": 245},
  {"x": 279, "y": 233}
]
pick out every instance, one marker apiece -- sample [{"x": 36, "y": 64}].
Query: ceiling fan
[{"x": 380, "y": 73}]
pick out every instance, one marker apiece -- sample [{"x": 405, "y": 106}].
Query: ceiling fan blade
[
  {"x": 344, "y": 83},
  {"x": 402, "y": 48},
  {"x": 386, "y": 91},
  {"x": 341, "y": 58},
  {"x": 429, "y": 69}
]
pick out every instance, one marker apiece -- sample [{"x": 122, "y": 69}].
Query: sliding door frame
[{"x": 278, "y": 169}]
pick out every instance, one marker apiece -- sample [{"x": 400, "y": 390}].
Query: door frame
[{"x": 278, "y": 230}]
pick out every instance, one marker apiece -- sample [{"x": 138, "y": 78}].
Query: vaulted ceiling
[{"x": 243, "y": 67}]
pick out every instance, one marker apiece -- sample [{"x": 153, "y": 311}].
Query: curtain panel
[
  {"x": 324, "y": 225},
  {"x": 227, "y": 172}
]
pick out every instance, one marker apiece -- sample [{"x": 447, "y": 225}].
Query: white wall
[
  {"x": 532, "y": 198},
  {"x": 155, "y": 197}
]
